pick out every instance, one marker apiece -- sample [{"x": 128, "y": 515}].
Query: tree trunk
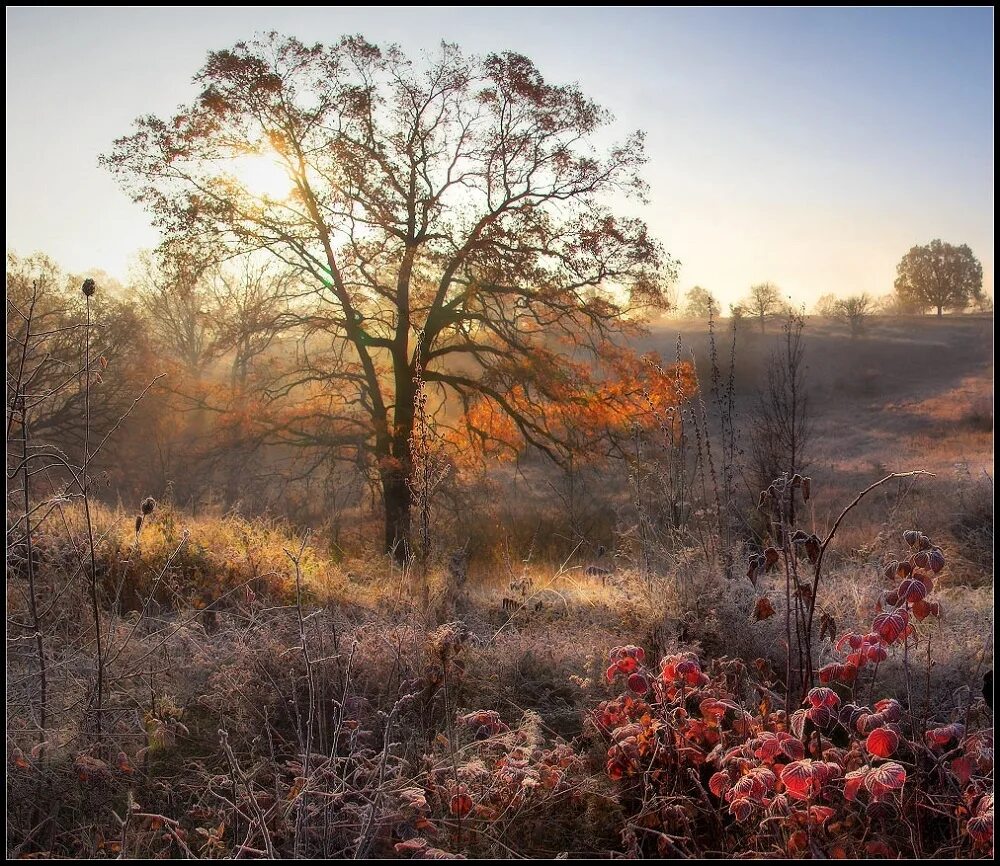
[
  {"x": 939, "y": 311},
  {"x": 396, "y": 499},
  {"x": 396, "y": 493}
]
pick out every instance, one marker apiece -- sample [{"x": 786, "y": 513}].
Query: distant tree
[
  {"x": 51, "y": 355},
  {"x": 764, "y": 300},
  {"x": 177, "y": 303},
  {"x": 250, "y": 307},
  {"x": 939, "y": 275},
  {"x": 854, "y": 311},
  {"x": 47, "y": 343},
  {"x": 826, "y": 305},
  {"x": 891, "y": 304},
  {"x": 737, "y": 312},
  {"x": 701, "y": 304},
  {"x": 984, "y": 303},
  {"x": 451, "y": 223}
]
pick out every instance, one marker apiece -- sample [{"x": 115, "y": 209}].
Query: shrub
[{"x": 708, "y": 762}]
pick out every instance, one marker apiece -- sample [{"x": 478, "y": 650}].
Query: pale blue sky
[{"x": 807, "y": 147}]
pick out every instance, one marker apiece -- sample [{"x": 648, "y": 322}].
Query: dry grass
[{"x": 390, "y": 692}]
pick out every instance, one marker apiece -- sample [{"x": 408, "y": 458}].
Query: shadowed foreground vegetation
[{"x": 231, "y": 650}]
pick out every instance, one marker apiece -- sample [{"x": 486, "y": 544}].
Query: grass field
[{"x": 267, "y": 695}]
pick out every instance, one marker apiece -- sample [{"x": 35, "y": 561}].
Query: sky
[{"x": 809, "y": 148}]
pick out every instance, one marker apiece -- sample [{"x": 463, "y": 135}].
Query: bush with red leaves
[{"x": 706, "y": 762}]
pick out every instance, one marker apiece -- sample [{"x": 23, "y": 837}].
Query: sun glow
[{"x": 262, "y": 176}]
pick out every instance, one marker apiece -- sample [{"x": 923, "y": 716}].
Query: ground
[{"x": 497, "y": 691}]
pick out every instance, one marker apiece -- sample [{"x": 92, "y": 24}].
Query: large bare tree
[{"x": 452, "y": 215}]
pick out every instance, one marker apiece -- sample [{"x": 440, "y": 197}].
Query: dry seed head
[
  {"x": 138, "y": 523},
  {"x": 89, "y": 287},
  {"x": 148, "y": 505}
]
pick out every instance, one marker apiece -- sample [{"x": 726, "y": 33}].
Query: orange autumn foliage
[{"x": 582, "y": 409}]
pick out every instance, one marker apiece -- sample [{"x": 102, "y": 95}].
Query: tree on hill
[
  {"x": 701, "y": 304},
  {"x": 891, "y": 304},
  {"x": 939, "y": 275},
  {"x": 449, "y": 222},
  {"x": 826, "y": 305},
  {"x": 854, "y": 311},
  {"x": 764, "y": 300}
]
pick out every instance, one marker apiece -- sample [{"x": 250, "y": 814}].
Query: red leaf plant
[{"x": 700, "y": 753}]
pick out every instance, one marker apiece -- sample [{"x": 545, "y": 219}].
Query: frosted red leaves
[
  {"x": 980, "y": 825},
  {"x": 805, "y": 778},
  {"x": 823, "y": 705},
  {"x": 755, "y": 785},
  {"x": 945, "y": 734},
  {"x": 861, "y": 650},
  {"x": 877, "y": 781},
  {"x": 823, "y": 697},
  {"x": 882, "y": 742},
  {"x": 638, "y": 683},
  {"x": 485, "y": 723},
  {"x": 720, "y": 783},
  {"x": 923, "y": 609},
  {"x": 682, "y": 669},
  {"x": 838, "y": 673},
  {"x": 755, "y": 788},
  {"x": 801, "y": 780},
  {"x": 911, "y": 590},
  {"x": 780, "y": 746},
  {"x": 460, "y": 805},
  {"x": 625, "y": 660},
  {"x": 884, "y": 779},
  {"x": 890, "y": 709},
  {"x": 891, "y": 626}
]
